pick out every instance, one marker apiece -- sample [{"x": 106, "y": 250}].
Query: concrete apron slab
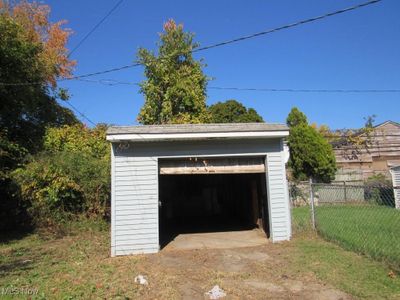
[{"x": 217, "y": 240}]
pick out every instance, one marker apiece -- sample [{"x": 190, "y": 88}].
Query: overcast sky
[{"x": 356, "y": 50}]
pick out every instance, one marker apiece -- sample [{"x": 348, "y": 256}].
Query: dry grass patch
[{"x": 78, "y": 266}]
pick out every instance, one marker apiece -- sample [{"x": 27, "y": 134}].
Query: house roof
[
  {"x": 387, "y": 122},
  {"x": 393, "y": 164},
  {"x": 189, "y": 128},
  {"x": 361, "y": 132},
  {"x": 196, "y": 131}
]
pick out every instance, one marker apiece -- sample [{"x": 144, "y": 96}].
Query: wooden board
[{"x": 234, "y": 165}]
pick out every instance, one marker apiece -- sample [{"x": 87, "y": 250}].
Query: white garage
[{"x": 169, "y": 179}]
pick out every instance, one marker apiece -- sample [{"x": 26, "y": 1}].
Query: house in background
[{"x": 381, "y": 153}]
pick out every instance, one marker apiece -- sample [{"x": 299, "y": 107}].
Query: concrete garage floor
[{"x": 218, "y": 240}]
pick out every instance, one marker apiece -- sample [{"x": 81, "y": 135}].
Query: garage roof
[{"x": 196, "y": 131}]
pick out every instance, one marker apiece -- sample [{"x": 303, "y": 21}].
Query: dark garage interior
[{"x": 200, "y": 203}]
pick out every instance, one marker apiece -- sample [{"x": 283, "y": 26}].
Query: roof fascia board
[{"x": 194, "y": 136}]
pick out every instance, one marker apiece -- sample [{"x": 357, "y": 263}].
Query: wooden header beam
[{"x": 236, "y": 165}]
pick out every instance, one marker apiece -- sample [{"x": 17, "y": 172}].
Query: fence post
[
  {"x": 345, "y": 191},
  {"x": 312, "y": 205}
]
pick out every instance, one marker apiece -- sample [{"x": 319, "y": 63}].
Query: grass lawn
[
  {"x": 301, "y": 219},
  {"x": 370, "y": 230},
  {"x": 78, "y": 266},
  {"x": 357, "y": 275}
]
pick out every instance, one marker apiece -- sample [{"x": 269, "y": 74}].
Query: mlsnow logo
[{"x": 18, "y": 291}]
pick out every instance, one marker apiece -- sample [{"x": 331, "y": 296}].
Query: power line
[
  {"x": 110, "y": 82},
  {"x": 309, "y": 20},
  {"x": 79, "y": 77},
  {"x": 80, "y": 113},
  {"x": 250, "y": 36},
  {"x": 288, "y": 25},
  {"x": 307, "y": 90},
  {"x": 102, "y": 72},
  {"x": 255, "y": 34},
  {"x": 95, "y": 27},
  {"x": 113, "y": 82},
  {"x": 291, "y": 25}
]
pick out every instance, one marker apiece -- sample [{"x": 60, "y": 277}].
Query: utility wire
[
  {"x": 113, "y": 82},
  {"x": 79, "y": 77},
  {"x": 307, "y": 90},
  {"x": 110, "y": 82},
  {"x": 291, "y": 25},
  {"x": 248, "y": 36},
  {"x": 288, "y": 25},
  {"x": 95, "y": 27},
  {"x": 252, "y": 35},
  {"x": 80, "y": 113}
]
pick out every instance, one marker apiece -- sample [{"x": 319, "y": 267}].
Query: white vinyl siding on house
[
  {"x": 135, "y": 219},
  {"x": 396, "y": 183}
]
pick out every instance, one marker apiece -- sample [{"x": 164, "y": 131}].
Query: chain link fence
[{"x": 359, "y": 217}]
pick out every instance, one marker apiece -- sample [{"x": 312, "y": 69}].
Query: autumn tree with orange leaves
[
  {"x": 33, "y": 18},
  {"x": 33, "y": 55}
]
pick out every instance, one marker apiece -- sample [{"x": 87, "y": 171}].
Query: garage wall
[
  {"x": 135, "y": 187},
  {"x": 279, "y": 210},
  {"x": 135, "y": 199}
]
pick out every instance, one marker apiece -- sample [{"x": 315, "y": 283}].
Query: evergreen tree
[
  {"x": 310, "y": 153},
  {"x": 296, "y": 117}
]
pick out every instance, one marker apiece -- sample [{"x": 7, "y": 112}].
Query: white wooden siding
[
  {"x": 278, "y": 202},
  {"x": 134, "y": 224},
  {"x": 396, "y": 183},
  {"x": 113, "y": 193},
  {"x": 135, "y": 208}
]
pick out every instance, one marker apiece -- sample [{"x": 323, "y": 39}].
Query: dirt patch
[
  {"x": 85, "y": 270},
  {"x": 252, "y": 273},
  {"x": 264, "y": 285}
]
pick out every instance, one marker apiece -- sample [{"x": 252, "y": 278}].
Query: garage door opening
[{"x": 212, "y": 203}]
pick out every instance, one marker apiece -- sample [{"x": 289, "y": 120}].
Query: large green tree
[
  {"x": 175, "y": 86},
  {"x": 232, "y": 111},
  {"x": 296, "y": 118},
  {"x": 310, "y": 153},
  {"x": 32, "y": 57}
]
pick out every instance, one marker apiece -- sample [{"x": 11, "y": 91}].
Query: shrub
[
  {"x": 310, "y": 155},
  {"x": 78, "y": 139},
  {"x": 379, "y": 190},
  {"x": 71, "y": 177},
  {"x": 12, "y": 210}
]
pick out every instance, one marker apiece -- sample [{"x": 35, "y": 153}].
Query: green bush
[
  {"x": 310, "y": 155},
  {"x": 12, "y": 211},
  {"x": 378, "y": 189},
  {"x": 71, "y": 177}
]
